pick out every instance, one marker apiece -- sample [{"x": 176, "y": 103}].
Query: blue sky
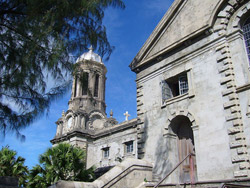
[{"x": 127, "y": 30}]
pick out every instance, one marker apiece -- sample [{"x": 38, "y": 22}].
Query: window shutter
[{"x": 166, "y": 91}]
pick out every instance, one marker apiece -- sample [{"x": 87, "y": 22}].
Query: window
[
  {"x": 172, "y": 87},
  {"x": 85, "y": 81},
  {"x": 246, "y": 33},
  {"x": 105, "y": 152},
  {"x": 75, "y": 90},
  {"x": 129, "y": 147},
  {"x": 69, "y": 123},
  {"x": 183, "y": 84},
  {"x": 96, "y": 85}
]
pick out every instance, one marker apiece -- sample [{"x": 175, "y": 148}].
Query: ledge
[
  {"x": 177, "y": 99},
  {"x": 95, "y": 134}
]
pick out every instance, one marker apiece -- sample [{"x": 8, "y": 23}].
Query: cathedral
[
  {"x": 193, "y": 105},
  {"x": 86, "y": 125}
]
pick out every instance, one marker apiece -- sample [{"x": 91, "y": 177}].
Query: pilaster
[
  {"x": 233, "y": 118},
  {"x": 140, "y": 124}
]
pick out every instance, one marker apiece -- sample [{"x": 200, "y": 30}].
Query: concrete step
[
  {"x": 156, "y": 178},
  {"x": 202, "y": 185}
]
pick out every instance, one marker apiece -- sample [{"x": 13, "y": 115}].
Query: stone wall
[
  {"x": 128, "y": 174},
  {"x": 116, "y": 142},
  {"x": 205, "y": 104},
  {"x": 217, "y": 103}
]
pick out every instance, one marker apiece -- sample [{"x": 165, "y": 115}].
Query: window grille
[
  {"x": 183, "y": 84},
  {"x": 246, "y": 33},
  {"x": 129, "y": 147},
  {"x": 105, "y": 152},
  {"x": 174, "y": 86}
]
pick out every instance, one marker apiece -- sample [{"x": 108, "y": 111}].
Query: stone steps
[{"x": 201, "y": 185}]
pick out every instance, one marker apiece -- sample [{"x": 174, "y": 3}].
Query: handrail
[
  {"x": 225, "y": 185},
  {"x": 134, "y": 165},
  {"x": 190, "y": 154}
]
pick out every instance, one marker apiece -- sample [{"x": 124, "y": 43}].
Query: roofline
[
  {"x": 157, "y": 31},
  {"x": 177, "y": 4},
  {"x": 92, "y": 135}
]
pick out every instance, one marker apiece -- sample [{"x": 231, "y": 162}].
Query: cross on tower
[{"x": 126, "y": 115}]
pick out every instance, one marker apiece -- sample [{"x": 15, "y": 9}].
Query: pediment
[{"x": 183, "y": 20}]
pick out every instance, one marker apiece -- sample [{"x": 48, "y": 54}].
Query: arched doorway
[{"x": 181, "y": 127}]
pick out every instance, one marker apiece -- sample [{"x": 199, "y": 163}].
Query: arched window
[
  {"x": 75, "y": 90},
  {"x": 96, "y": 85},
  {"x": 85, "y": 83},
  {"x": 246, "y": 33},
  {"x": 69, "y": 122}
]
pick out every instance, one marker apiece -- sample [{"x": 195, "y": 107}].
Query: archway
[{"x": 181, "y": 127}]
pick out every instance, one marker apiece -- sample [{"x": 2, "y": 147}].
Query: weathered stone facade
[
  {"x": 202, "y": 42},
  {"x": 193, "y": 96},
  {"x": 86, "y": 125}
]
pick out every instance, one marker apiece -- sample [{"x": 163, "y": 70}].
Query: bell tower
[
  {"x": 88, "y": 89},
  {"x": 87, "y": 108}
]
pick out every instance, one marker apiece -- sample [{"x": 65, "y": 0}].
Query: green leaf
[{"x": 36, "y": 40}]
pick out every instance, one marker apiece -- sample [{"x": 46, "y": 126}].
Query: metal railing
[
  {"x": 191, "y": 163},
  {"x": 230, "y": 185}
]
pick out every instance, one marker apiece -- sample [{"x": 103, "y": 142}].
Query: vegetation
[
  {"x": 11, "y": 165},
  {"x": 62, "y": 162},
  {"x": 36, "y": 38}
]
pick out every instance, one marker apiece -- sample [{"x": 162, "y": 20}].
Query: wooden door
[{"x": 185, "y": 147}]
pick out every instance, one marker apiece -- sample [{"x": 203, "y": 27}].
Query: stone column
[
  {"x": 78, "y": 88},
  {"x": 59, "y": 129},
  {"x": 73, "y": 89},
  {"x": 101, "y": 85},
  {"x": 82, "y": 122}
]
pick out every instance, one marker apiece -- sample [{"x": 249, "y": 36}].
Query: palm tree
[
  {"x": 11, "y": 165},
  {"x": 62, "y": 162}
]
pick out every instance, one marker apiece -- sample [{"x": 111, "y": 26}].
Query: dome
[{"x": 90, "y": 55}]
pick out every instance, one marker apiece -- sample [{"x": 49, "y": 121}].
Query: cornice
[{"x": 96, "y": 134}]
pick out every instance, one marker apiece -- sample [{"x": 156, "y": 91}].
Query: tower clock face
[{"x": 69, "y": 124}]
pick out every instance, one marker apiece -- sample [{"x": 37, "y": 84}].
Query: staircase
[
  {"x": 128, "y": 174},
  {"x": 242, "y": 184},
  {"x": 135, "y": 173},
  {"x": 233, "y": 183}
]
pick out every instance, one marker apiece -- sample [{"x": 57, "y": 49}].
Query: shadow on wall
[
  {"x": 143, "y": 136},
  {"x": 145, "y": 131},
  {"x": 163, "y": 164}
]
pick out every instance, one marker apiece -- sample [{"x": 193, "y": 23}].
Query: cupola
[
  {"x": 90, "y": 55},
  {"x": 88, "y": 89}
]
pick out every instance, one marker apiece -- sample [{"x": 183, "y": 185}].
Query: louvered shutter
[{"x": 166, "y": 91}]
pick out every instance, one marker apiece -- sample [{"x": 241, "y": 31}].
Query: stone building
[
  {"x": 86, "y": 125},
  {"x": 193, "y": 96}
]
